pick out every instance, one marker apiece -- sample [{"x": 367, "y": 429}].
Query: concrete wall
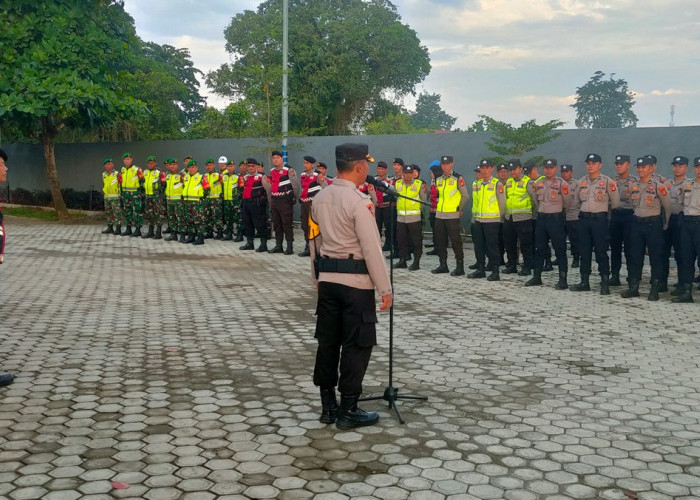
[{"x": 80, "y": 165}]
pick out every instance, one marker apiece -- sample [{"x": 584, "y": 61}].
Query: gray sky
[{"x": 511, "y": 59}]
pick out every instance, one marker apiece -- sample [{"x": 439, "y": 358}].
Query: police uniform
[
  {"x": 382, "y": 211},
  {"x": 214, "y": 204},
  {"x": 350, "y": 265},
  {"x": 690, "y": 236},
  {"x": 487, "y": 209},
  {"x": 517, "y": 227},
  {"x": 621, "y": 220},
  {"x": 5, "y": 378},
  {"x": 284, "y": 191},
  {"x": 409, "y": 225},
  {"x": 230, "y": 193},
  {"x": 154, "y": 212},
  {"x": 652, "y": 211},
  {"x": 672, "y": 235},
  {"x": 553, "y": 198},
  {"x": 452, "y": 195},
  {"x": 595, "y": 197},
  {"x": 310, "y": 187},
  {"x": 110, "y": 190},
  {"x": 571, "y": 224},
  {"x": 435, "y": 172},
  {"x": 131, "y": 181},
  {"x": 195, "y": 188},
  {"x": 254, "y": 208}
]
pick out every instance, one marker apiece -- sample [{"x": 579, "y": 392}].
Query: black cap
[
  {"x": 407, "y": 169},
  {"x": 549, "y": 162},
  {"x": 696, "y": 161},
  {"x": 621, "y": 158},
  {"x": 679, "y": 160},
  {"x": 567, "y": 168},
  {"x": 594, "y": 157},
  {"x": 382, "y": 164},
  {"x": 651, "y": 157},
  {"x": 528, "y": 166},
  {"x": 416, "y": 168},
  {"x": 486, "y": 163},
  {"x": 514, "y": 163},
  {"x": 644, "y": 160},
  {"x": 446, "y": 159},
  {"x": 398, "y": 160},
  {"x": 352, "y": 151},
  {"x": 310, "y": 159},
  {"x": 276, "y": 153},
  {"x": 477, "y": 169},
  {"x": 322, "y": 165},
  {"x": 501, "y": 166},
  {"x": 252, "y": 161}
]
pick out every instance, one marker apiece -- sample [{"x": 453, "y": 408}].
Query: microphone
[{"x": 381, "y": 185}]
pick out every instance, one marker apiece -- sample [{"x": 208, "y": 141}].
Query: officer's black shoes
[
  {"x": 248, "y": 246},
  {"x": 276, "y": 249},
  {"x": 429, "y": 245},
  {"x": 576, "y": 262},
  {"x": 158, "y": 235},
  {"x": 289, "y": 250},
  {"x": 479, "y": 273},
  {"x": 474, "y": 266},
  {"x": 386, "y": 247},
  {"x": 137, "y": 233},
  {"x": 117, "y": 230},
  {"x": 632, "y": 290},
  {"x": 109, "y": 230},
  {"x": 329, "y": 406},
  {"x": 263, "y": 246},
  {"x": 219, "y": 235},
  {"x": 199, "y": 240},
  {"x": 228, "y": 237},
  {"x": 6, "y": 379},
  {"x": 548, "y": 266},
  {"x": 305, "y": 252},
  {"x": 415, "y": 265},
  {"x": 489, "y": 267},
  {"x": 562, "y": 283},
  {"x": 510, "y": 269},
  {"x": 432, "y": 252},
  {"x": 442, "y": 268},
  {"x": 663, "y": 286},
  {"x": 584, "y": 286},
  {"x": 654, "y": 291},
  {"x": 190, "y": 238},
  {"x": 494, "y": 276},
  {"x": 604, "y": 284},
  {"x": 127, "y": 232},
  {"x": 685, "y": 294},
  {"x": 209, "y": 234},
  {"x": 172, "y": 236},
  {"x": 401, "y": 264},
  {"x": 525, "y": 271},
  {"x": 350, "y": 416},
  {"x": 535, "y": 280},
  {"x": 183, "y": 237},
  {"x": 459, "y": 269},
  {"x": 239, "y": 236},
  {"x": 150, "y": 233},
  {"x": 614, "y": 279}
]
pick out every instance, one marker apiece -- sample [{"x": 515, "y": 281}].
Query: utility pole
[
  {"x": 673, "y": 112},
  {"x": 285, "y": 69}
]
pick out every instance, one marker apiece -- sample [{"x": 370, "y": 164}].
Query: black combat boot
[
  {"x": 536, "y": 279},
  {"x": 219, "y": 235},
  {"x": 576, "y": 262},
  {"x": 614, "y": 279},
  {"x": 401, "y": 264},
  {"x": 127, "y": 232},
  {"x": 276, "y": 249},
  {"x": 150, "y": 233},
  {"x": 685, "y": 294},
  {"x": 172, "y": 236},
  {"x": 109, "y": 230},
  {"x": 209, "y": 234},
  {"x": 183, "y": 237},
  {"x": 474, "y": 266},
  {"x": 158, "y": 234},
  {"x": 510, "y": 269},
  {"x": 415, "y": 265},
  {"x": 663, "y": 286},
  {"x": 432, "y": 252},
  {"x": 289, "y": 250},
  {"x": 632, "y": 289},
  {"x": 525, "y": 271},
  {"x": 167, "y": 230},
  {"x": 190, "y": 238},
  {"x": 459, "y": 269},
  {"x": 479, "y": 273},
  {"x": 263, "y": 246},
  {"x": 137, "y": 233},
  {"x": 584, "y": 286},
  {"x": 249, "y": 245},
  {"x": 117, "y": 230},
  {"x": 562, "y": 283},
  {"x": 442, "y": 268},
  {"x": 350, "y": 416},
  {"x": 239, "y": 236},
  {"x": 199, "y": 240},
  {"x": 329, "y": 406},
  {"x": 654, "y": 290},
  {"x": 495, "y": 274},
  {"x": 228, "y": 236},
  {"x": 305, "y": 252},
  {"x": 548, "y": 265},
  {"x": 604, "y": 284}
]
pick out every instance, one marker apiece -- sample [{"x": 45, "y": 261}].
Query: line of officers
[{"x": 231, "y": 203}]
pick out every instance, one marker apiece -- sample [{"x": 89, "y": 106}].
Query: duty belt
[
  {"x": 691, "y": 218},
  {"x": 346, "y": 266},
  {"x": 593, "y": 215},
  {"x": 651, "y": 218}
]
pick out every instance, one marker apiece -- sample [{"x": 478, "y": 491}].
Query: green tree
[
  {"x": 429, "y": 115},
  {"x": 234, "y": 121},
  {"x": 60, "y": 64},
  {"x": 344, "y": 56},
  {"x": 604, "y": 103},
  {"x": 509, "y": 141},
  {"x": 395, "y": 123}
]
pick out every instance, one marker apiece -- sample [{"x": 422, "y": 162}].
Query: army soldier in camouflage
[
  {"x": 229, "y": 181},
  {"x": 213, "y": 202},
  {"x": 194, "y": 191},
  {"x": 154, "y": 214},
  {"x": 131, "y": 181},
  {"x": 173, "y": 199},
  {"x": 110, "y": 189}
]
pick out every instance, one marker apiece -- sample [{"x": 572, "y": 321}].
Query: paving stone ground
[{"x": 158, "y": 370}]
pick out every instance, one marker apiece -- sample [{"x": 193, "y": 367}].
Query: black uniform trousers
[
  {"x": 646, "y": 234},
  {"x": 619, "y": 228},
  {"x": 394, "y": 221},
  {"x": 254, "y": 218},
  {"x": 383, "y": 217},
  {"x": 445, "y": 228},
  {"x": 672, "y": 240},
  {"x": 431, "y": 220},
  {"x": 514, "y": 231},
  {"x": 551, "y": 227},
  {"x": 304, "y": 211},
  {"x": 690, "y": 248},
  {"x": 571, "y": 227},
  {"x": 282, "y": 211},
  {"x": 410, "y": 236},
  {"x": 346, "y": 321},
  {"x": 485, "y": 238},
  {"x": 593, "y": 234}
]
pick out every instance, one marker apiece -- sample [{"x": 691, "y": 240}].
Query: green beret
[
  {"x": 126, "y": 155},
  {"x": 170, "y": 160},
  {"x": 233, "y": 162},
  {"x": 106, "y": 160},
  {"x": 151, "y": 158},
  {"x": 192, "y": 163},
  {"x": 209, "y": 160}
]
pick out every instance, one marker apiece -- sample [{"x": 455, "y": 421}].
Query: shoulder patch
[
  {"x": 662, "y": 190},
  {"x": 461, "y": 182},
  {"x": 565, "y": 188},
  {"x": 613, "y": 186},
  {"x": 500, "y": 188},
  {"x": 370, "y": 207}
]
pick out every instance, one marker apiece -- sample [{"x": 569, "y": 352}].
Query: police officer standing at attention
[
  {"x": 596, "y": 194},
  {"x": 452, "y": 196},
  {"x": 571, "y": 225},
  {"x": 409, "y": 224},
  {"x": 310, "y": 187},
  {"x": 672, "y": 235},
  {"x": 621, "y": 219},
  {"x": 552, "y": 201},
  {"x": 489, "y": 204},
  {"x": 520, "y": 202},
  {"x": 195, "y": 189},
  {"x": 347, "y": 264},
  {"x": 382, "y": 209},
  {"x": 5, "y": 378},
  {"x": 284, "y": 190},
  {"x": 229, "y": 182},
  {"x": 254, "y": 206},
  {"x": 690, "y": 237},
  {"x": 648, "y": 196},
  {"x": 213, "y": 202}
]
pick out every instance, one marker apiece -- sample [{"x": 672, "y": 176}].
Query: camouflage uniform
[
  {"x": 213, "y": 204},
  {"x": 131, "y": 180},
  {"x": 173, "y": 194},
  {"x": 154, "y": 213},
  {"x": 110, "y": 189},
  {"x": 195, "y": 188},
  {"x": 231, "y": 203}
]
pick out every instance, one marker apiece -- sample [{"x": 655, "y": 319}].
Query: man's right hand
[{"x": 386, "y": 302}]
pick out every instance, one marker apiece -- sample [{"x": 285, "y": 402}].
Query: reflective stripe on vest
[
  {"x": 230, "y": 183},
  {"x": 449, "y": 196},
  {"x": 485, "y": 200},
  {"x": 130, "y": 178},
  {"x": 518, "y": 200},
  {"x": 279, "y": 182},
  {"x": 173, "y": 187},
  {"x": 407, "y": 207},
  {"x": 215, "y": 188},
  {"x": 110, "y": 184},
  {"x": 193, "y": 189},
  {"x": 151, "y": 178}
]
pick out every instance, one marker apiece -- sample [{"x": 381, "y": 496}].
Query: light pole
[{"x": 285, "y": 67}]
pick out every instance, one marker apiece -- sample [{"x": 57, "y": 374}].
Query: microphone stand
[{"x": 391, "y": 393}]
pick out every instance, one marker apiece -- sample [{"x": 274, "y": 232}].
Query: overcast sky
[{"x": 510, "y": 59}]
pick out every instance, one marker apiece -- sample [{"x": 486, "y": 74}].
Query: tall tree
[
  {"x": 344, "y": 55},
  {"x": 429, "y": 115},
  {"x": 510, "y": 141},
  {"x": 604, "y": 103},
  {"x": 60, "y": 64}
]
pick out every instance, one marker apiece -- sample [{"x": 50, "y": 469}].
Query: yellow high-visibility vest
[{"x": 408, "y": 207}]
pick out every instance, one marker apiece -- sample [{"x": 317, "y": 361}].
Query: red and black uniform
[
  {"x": 254, "y": 206},
  {"x": 382, "y": 213},
  {"x": 282, "y": 203},
  {"x": 310, "y": 187},
  {"x": 2, "y": 237}
]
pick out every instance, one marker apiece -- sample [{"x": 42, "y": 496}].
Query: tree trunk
[{"x": 48, "y": 134}]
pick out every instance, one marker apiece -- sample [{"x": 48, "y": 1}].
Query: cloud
[{"x": 641, "y": 95}]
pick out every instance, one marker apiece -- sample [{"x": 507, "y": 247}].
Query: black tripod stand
[{"x": 391, "y": 393}]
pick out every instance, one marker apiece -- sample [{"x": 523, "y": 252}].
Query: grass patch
[{"x": 37, "y": 213}]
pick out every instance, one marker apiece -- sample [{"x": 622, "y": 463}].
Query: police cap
[
  {"x": 593, "y": 157},
  {"x": 696, "y": 161},
  {"x": 382, "y": 164},
  {"x": 529, "y": 165},
  {"x": 644, "y": 160},
  {"x": 397, "y": 160},
  {"x": 501, "y": 166},
  {"x": 446, "y": 159},
  {"x": 251, "y": 161},
  {"x": 352, "y": 151},
  {"x": 276, "y": 153},
  {"x": 407, "y": 169},
  {"x": 567, "y": 168},
  {"x": 514, "y": 163},
  {"x": 679, "y": 160},
  {"x": 622, "y": 158},
  {"x": 550, "y": 162},
  {"x": 486, "y": 163},
  {"x": 310, "y": 159}
]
